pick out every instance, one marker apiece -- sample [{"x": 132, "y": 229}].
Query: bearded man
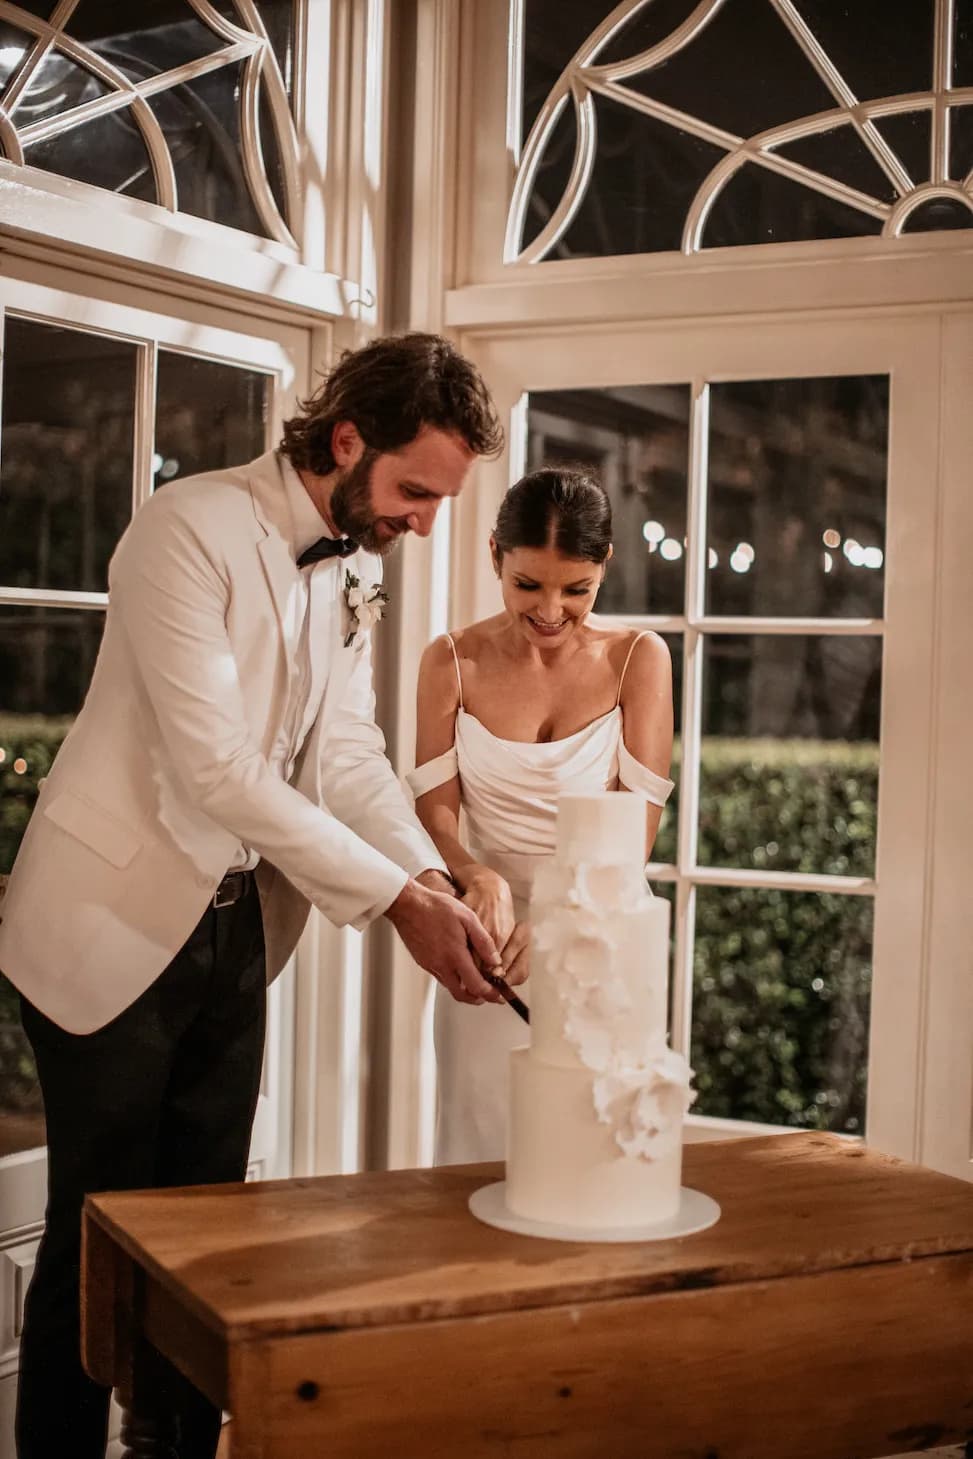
[{"x": 224, "y": 775}]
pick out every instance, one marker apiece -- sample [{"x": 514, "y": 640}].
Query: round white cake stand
[{"x": 696, "y": 1212}]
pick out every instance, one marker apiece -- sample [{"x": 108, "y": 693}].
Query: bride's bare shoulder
[{"x": 472, "y": 640}]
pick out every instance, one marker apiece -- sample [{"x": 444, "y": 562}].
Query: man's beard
[{"x": 351, "y": 507}]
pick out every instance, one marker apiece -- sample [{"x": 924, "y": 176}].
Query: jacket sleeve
[
  {"x": 359, "y": 784},
  {"x": 170, "y": 593}
]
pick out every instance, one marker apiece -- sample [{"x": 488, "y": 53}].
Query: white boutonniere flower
[{"x": 365, "y": 606}]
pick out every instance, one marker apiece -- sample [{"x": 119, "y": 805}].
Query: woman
[{"x": 542, "y": 699}]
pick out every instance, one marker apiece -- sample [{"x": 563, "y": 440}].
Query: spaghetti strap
[
  {"x": 459, "y": 681},
  {"x": 638, "y": 637}
]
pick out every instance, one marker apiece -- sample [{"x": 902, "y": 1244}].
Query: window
[
  {"x": 677, "y": 126},
  {"x": 92, "y": 419},
  {"x": 190, "y": 108},
  {"x": 760, "y": 557}
]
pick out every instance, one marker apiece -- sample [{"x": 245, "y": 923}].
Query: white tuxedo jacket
[{"x": 165, "y": 771}]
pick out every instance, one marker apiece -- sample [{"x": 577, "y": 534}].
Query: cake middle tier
[
  {"x": 598, "y": 978},
  {"x": 566, "y": 1167}
]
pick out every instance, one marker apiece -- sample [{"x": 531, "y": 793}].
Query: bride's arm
[
  {"x": 646, "y": 704},
  {"x": 438, "y": 806}
]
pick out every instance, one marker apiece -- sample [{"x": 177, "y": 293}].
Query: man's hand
[{"x": 447, "y": 940}]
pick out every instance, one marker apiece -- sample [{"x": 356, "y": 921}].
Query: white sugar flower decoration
[
  {"x": 645, "y": 1107},
  {"x": 365, "y": 606}
]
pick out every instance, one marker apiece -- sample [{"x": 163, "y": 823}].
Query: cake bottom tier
[{"x": 565, "y": 1167}]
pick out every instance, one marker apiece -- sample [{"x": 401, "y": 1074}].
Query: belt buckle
[{"x": 228, "y": 891}]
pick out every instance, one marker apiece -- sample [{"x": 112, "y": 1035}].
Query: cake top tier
[{"x": 608, "y": 828}]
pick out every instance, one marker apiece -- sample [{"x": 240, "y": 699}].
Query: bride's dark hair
[{"x": 557, "y": 506}]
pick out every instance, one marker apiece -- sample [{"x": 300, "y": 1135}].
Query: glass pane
[
  {"x": 933, "y": 215},
  {"x": 790, "y": 753},
  {"x": 960, "y": 142},
  {"x": 842, "y": 155},
  {"x": 781, "y": 1006},
  {"x": 553, "y": 31},
  {"x": 279, "y": 21},
  {"x": 68, "y": 424},
  {"x": 644, "y": 183},
  {"x": 208, "y": 415},
  {"x": 963, "y": 43},
  {"x": 46, "y": 659},
  {"x": 107, "y": 151},
  {"x": 199, "y": 116},
  {"x": 201, "y": 123},
  {"x": 173, "y": 36},
  {"x": 636, "y": 440},
  {"x": 758, "y": 206},
  {"x": 14, "y": 44},
  {"x": 743, "y": 72},
  {"x": 909, "y": 134},
  {"x": 796, "y": 497},
  {"x": 879, "y": 48},
  {"x": 746, "y": 72}
]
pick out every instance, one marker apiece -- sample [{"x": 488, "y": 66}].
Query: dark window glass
[
  {"x": 880, "y": 49},
  {"x": 638, "y": 203},
  {"x": 636, "y": 440},
  {"x": 909, "y": 134},
  {"x": 68, "y": 424},
  {"x": 963, "y": 43},
  {"x": 46, "y": 659},
  {"x": 199, "y": 117},
  {"x": 842, "y": 155},
  {"x": 208, "y": 415},
  {"x": 743, "y": 72},
  {"x": 789, "y": 758},
  {"x": 201, "y": 123},
  {"x": 781, "y": 1007},
  {"x": 759, "y": 206},
  {"x": 746, "y": 71},
  {"x": 960, "y": 142},
  {"x": 933, "y": 215},
  {"x": 796, "y": 497}
]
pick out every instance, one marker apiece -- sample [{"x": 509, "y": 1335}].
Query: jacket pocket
[{"x": 96, "y": 828}]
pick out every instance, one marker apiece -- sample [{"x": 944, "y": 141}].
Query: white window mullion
[
  {"x": 144, "y": 443},
  {"x": 692, "y": 709},
  {"x": 51, "y": 598}
]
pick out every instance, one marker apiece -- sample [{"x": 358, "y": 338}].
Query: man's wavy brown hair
[{"x": 389, "y": 390}]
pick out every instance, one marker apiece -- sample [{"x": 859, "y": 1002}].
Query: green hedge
[{"x": 782, "y": 979}]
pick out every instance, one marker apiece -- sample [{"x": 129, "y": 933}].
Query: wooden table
[{"x": 827, "y": 1315}]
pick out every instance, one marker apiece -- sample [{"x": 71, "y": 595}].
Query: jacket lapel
[{"x": 271, "y": 510}]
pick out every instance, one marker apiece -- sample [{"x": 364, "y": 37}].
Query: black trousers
[{"x": 164, "y": 1095}]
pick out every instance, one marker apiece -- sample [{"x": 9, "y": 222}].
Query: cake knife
[{"x": 505, "y": 991}]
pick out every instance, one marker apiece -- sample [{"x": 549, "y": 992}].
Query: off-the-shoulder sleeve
[
  {"x": 637, "y": 778},
  {"x": 434, "y": 773}
]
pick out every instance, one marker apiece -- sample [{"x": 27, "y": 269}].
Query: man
[{"x": 224, "y": 774}]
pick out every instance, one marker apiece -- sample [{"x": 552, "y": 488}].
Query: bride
[{"x": 541, "y": 700}]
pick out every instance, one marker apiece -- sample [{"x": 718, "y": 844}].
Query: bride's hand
[
  {"x": 515, "y": 955},
  {"x": 488, "y": 895}
]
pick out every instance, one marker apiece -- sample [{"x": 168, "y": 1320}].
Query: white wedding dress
[{"x": 508, "y": 794}]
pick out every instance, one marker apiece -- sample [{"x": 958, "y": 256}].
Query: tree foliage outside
[{"x": 781, "y": 979}]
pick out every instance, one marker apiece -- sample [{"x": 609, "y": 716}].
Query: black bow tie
[{"x": 326, "y": 547}]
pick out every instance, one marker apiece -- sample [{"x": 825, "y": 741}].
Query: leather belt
[{"x": 235, "y": 884}]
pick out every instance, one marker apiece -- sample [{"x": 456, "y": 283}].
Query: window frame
[{"x": 908, "y": 350}]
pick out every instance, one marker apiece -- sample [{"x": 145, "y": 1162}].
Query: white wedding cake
[{"x": 597, "y": 1098}]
